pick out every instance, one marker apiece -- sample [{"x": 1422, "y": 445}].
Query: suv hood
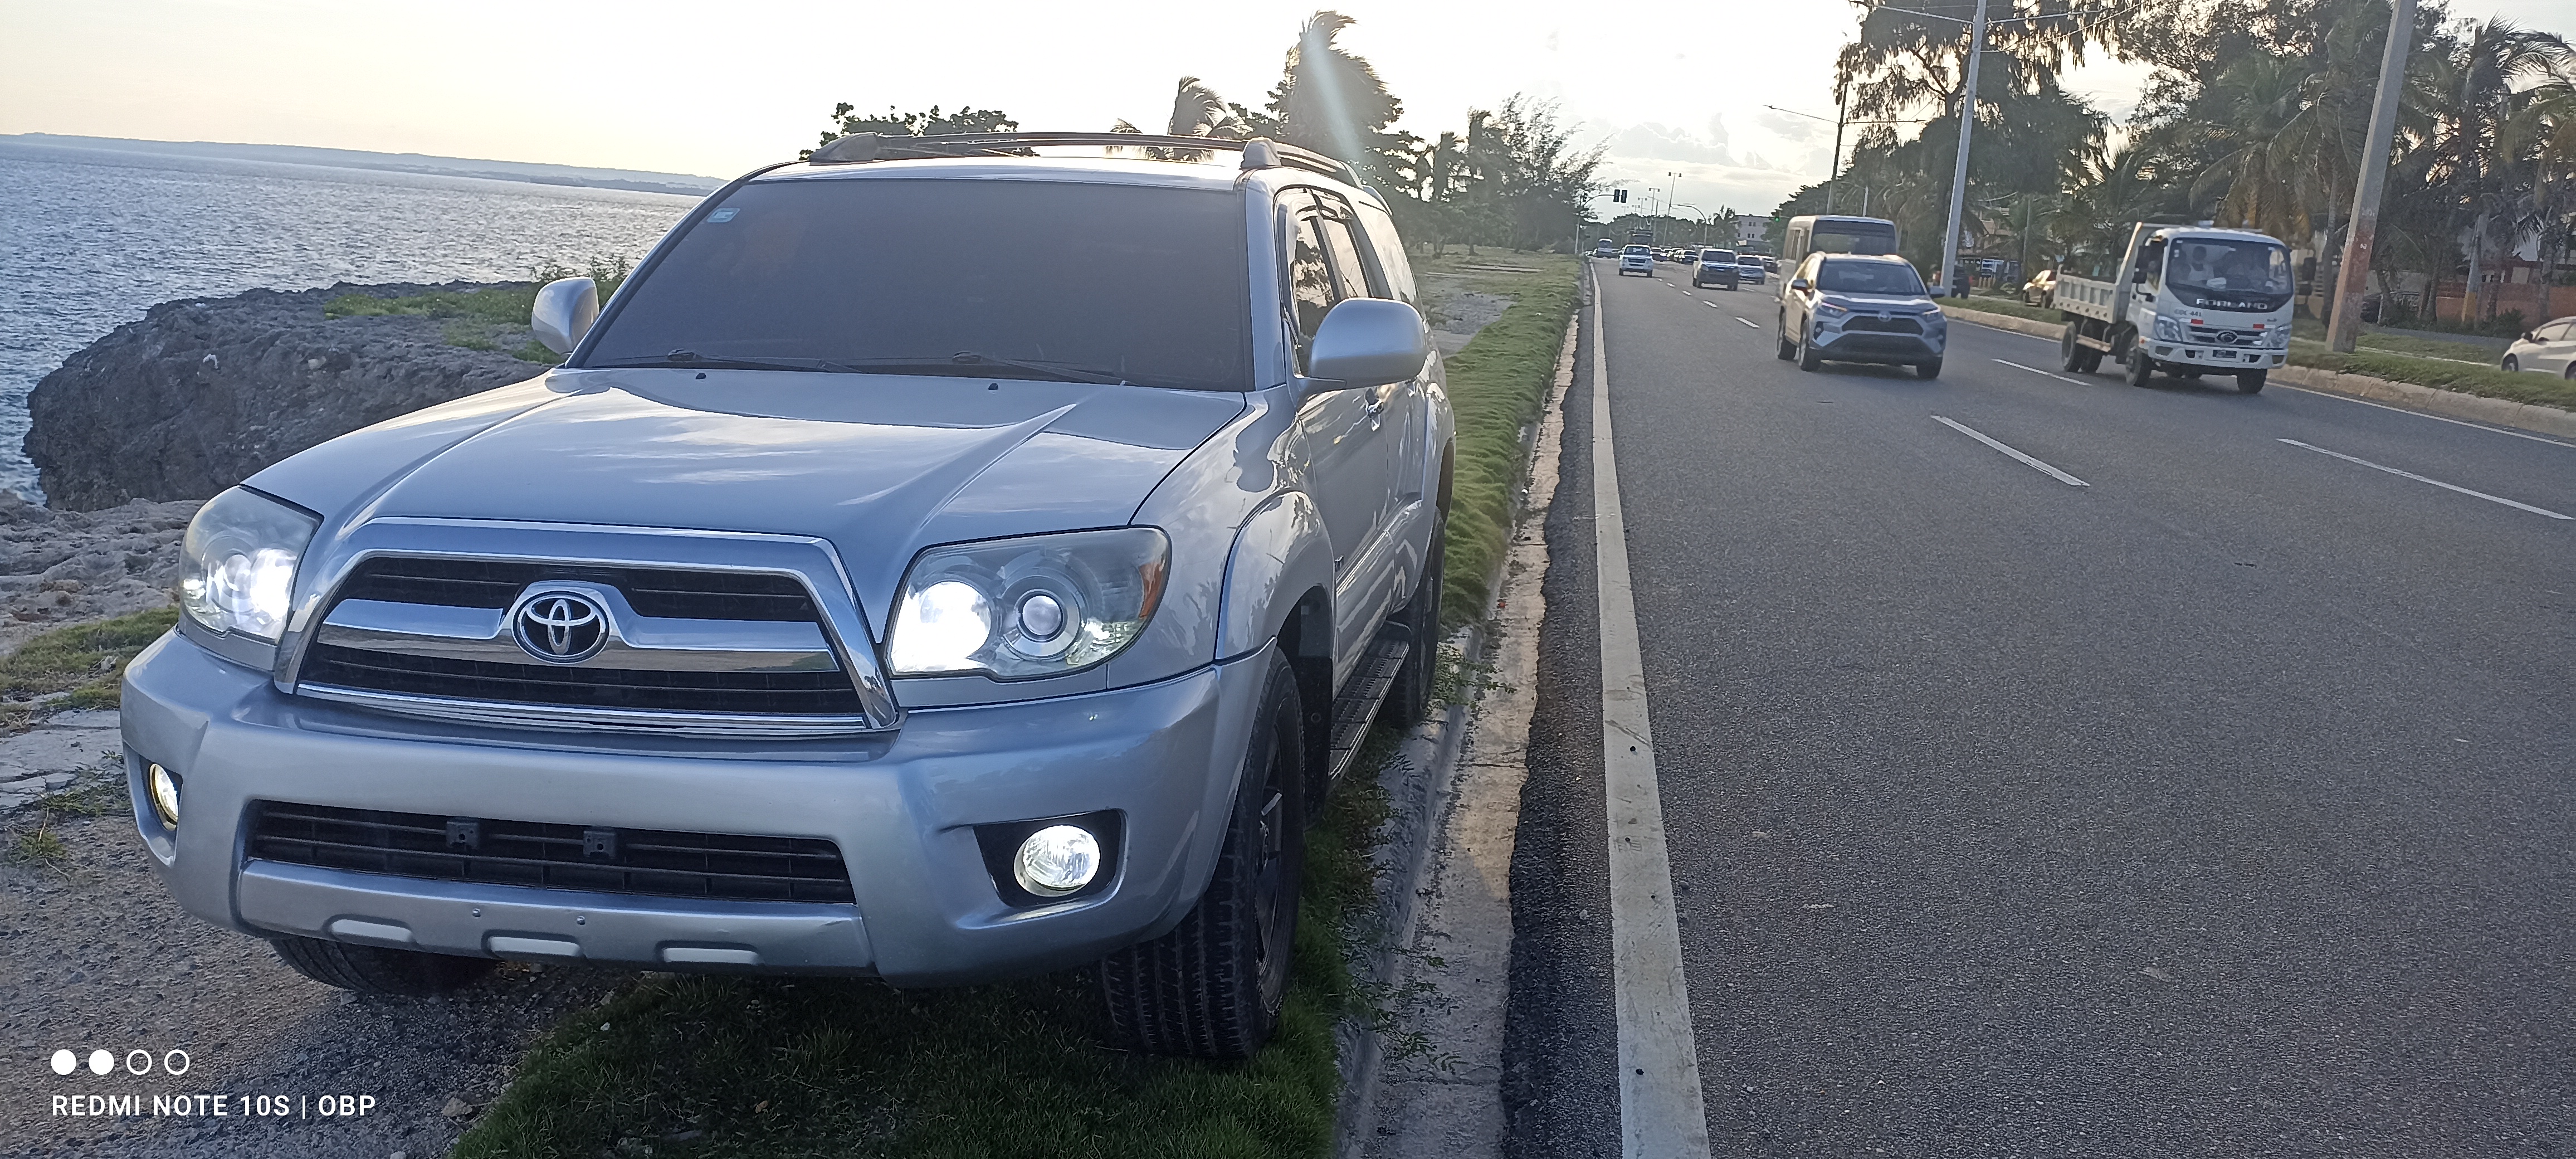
[
  {"x": 1881, "y": 303},
  {"x": 880, "y": 465}
]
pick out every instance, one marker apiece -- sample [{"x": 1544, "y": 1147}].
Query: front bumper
[
  {"x": 901, "y": 809},
  {"x": 1878, "y": 346},
  {"x": 2226, "y": 358}
]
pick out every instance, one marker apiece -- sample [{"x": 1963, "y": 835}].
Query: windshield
[
  {"x": 1852, "y": 238},
  {"x": 2221, "y": 273},
  {"x": 1748, "y": 260},
  {"x": 1105, "y": 283},
  {"x": 1887, "y": 278},
  {"x": 1717, "y": 257},
  {"x": 1635, "y": 249}
]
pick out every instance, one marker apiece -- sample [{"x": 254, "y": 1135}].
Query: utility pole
[
  {"x": 2344, "y": 329},
  {"x": 1835, "y": 174},
  {"x": 1967, "y": 126}
]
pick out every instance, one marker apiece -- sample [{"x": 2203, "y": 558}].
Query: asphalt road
[{"x": 2218, "y": 807}]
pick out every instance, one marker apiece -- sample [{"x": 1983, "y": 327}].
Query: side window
[
  {"x": 1310, "y": 281},
  {"x": 2555, "y": 332},
  {"x": 2151, "y": 262},
  {"x": 1351, "y": 272},
  {"x": 1379, "y": 230}
]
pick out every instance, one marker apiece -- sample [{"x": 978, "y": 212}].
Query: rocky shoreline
[{"x": 204, "y": 392}]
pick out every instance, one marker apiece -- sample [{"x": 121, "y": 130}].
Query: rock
[
  {"x": 202, "y": 393},
  {"x": 65, "y": 567},
  {"x": 456, "y": 1108}
]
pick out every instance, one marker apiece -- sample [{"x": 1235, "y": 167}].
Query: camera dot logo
[
  {"x": 101, "y": 1062},
  {"x": 64, "y": 1061}
]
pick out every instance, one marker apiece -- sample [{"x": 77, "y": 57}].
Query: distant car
[
  {"x": 1717, "y": 268},
  {"x": 2549, "y": 348},
  {"x": 1636, "y": 259},
  {"x": 1605, "y": 248},
  {"x": 1861, "y": 308},
  {"x": 2041, "y": 289},
  {"x": 1749, "y": 268},
  {"x": 1771, "y": 265},
  {"x": 1990, "y": 267}
]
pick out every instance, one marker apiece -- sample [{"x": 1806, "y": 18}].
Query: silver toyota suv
[{"x": 842, "y": 608}]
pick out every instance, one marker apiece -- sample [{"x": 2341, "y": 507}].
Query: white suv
[{"x": 1636, "y": 259}]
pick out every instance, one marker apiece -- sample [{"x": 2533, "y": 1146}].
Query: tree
[{"x": 894, "y": 124}]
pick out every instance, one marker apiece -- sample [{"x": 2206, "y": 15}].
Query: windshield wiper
[{"x": 692, "y": 360}]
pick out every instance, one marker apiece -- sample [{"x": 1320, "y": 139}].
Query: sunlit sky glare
[{"x": 720, "y": 88}]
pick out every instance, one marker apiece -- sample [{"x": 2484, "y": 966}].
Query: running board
[{"x": 1359, "y": 701}]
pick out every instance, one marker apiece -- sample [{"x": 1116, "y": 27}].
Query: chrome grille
[
  {"x": 703, "y": 651},
  {"x": 1904, "y": 325}
]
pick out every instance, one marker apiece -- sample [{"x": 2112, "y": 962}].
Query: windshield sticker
[{"x": 722, "y": 216}]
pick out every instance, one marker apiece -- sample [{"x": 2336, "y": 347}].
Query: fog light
[
  {"x": 1056, "y": 860},
  {"x": 164, "y": 786}
]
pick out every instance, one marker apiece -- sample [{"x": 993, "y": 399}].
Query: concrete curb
[
  {"x": 1426, "y": 784},
  {"x": 2547, "y": 420}
]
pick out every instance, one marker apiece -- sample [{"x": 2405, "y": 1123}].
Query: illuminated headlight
[
  {"x": 164, "y": 788},
  {"x": 1056, "y": 860},
  {"x": 1017, "y": 608},
  {"x": 2168, "y": 330},
  {"x": 237, "y": 564}
]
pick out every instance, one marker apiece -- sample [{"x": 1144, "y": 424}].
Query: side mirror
[
  {"x": 1368, "y": 342},
  {"x": 1798, "y": 284},
  {"x": 564, "y": 311}
]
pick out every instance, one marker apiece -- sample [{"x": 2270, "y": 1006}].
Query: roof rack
[{"x": 1258, "y": 152}]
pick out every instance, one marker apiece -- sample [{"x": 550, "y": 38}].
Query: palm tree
[
  {"x": 2498, "y": 56},
  {"x": 1332, "y": 101}
]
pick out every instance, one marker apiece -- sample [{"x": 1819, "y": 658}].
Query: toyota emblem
[{"x": 561, "y": 627}]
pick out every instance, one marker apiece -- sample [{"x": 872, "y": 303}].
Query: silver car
[
  {"x": 2549, "y": 348},
  {"x": 1861, "y": 308},
  {"x": 841, "y": 608}
]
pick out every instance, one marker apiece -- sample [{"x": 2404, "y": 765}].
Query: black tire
[
  {"x": 1786, "y": 349},
  {"x": 1211, "y": 988},
  {"x": 377, "y": 969},
  {"x": 1808, "y": 359},
  {"x": 2511, "y": 365},
  {"x": 2070, "y": 353},
  {"x": 1928, "y": 369},
  {"x": 2250, "y": 381},
  {"x": 2141, "y": 368},
  {"x": 2570, "y": 375},
  {"x": 2092, "y": 360},
  {"x": 1410, "y": 700}
]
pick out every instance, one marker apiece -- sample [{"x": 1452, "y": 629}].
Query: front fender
[{"x": 1281, "y": 553}]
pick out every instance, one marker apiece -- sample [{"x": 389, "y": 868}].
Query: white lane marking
[
  {"x": 2421, "y": 415},
  {"x": 2025, "y": 460},
  {"x": 1712, "y": 305},
  {"x": 1661, "y": 1112},
  {"x": 2435, "y": 482},
  {"x": 2036, "y": 370},
  {"x": 1748, "y": 321}
]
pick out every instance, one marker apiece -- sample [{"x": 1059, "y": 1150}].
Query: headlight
[
  {"x": 1830, "y": 310},
  {"x": 2168, "y": 330},
  {"x": 237, "y": 564},
  {"x": 163, "y": 786},
  {"x": 2278, "y": 339},
  {"x": 1016, "y": 608}
]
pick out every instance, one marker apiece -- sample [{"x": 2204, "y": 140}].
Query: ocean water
[{"x": 90, "y": 239}]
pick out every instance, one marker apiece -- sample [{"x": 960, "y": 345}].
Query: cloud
[
  {"x": 1652, "y": 141},
  {"x": 1792, "y": 127}
]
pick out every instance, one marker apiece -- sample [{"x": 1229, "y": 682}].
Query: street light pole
[
  {"x": 2344, "y": 328},
  {"x": 1967, "y": 126}
]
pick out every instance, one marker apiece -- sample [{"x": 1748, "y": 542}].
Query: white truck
[{"x": 2189, "y": 300}]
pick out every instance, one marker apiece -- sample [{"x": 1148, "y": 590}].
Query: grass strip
[
  {"x": 86, "y": 660},
  {"x": 2442, "y": 374},
  {"x": 477, "y": 319},
  {"x": 1496, "y": 385}
]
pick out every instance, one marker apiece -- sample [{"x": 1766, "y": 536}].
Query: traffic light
[{"x": 1618, "y": 195}]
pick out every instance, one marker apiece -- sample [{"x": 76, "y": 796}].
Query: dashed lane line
[
  {"x": 2023, "y": 459},
  {"x": 2421, "y": 415},
  {"x": 2038, "y": 371},
  {"x": 1748, "y": 321},
  {"x": 2436, "y": 482},
  {"x": 1662, "y": 1112}
]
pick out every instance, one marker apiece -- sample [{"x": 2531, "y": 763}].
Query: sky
[{"x": 716, "y": 89}]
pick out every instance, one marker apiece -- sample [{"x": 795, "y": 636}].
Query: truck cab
[{"x": 2190, "y": 301}]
